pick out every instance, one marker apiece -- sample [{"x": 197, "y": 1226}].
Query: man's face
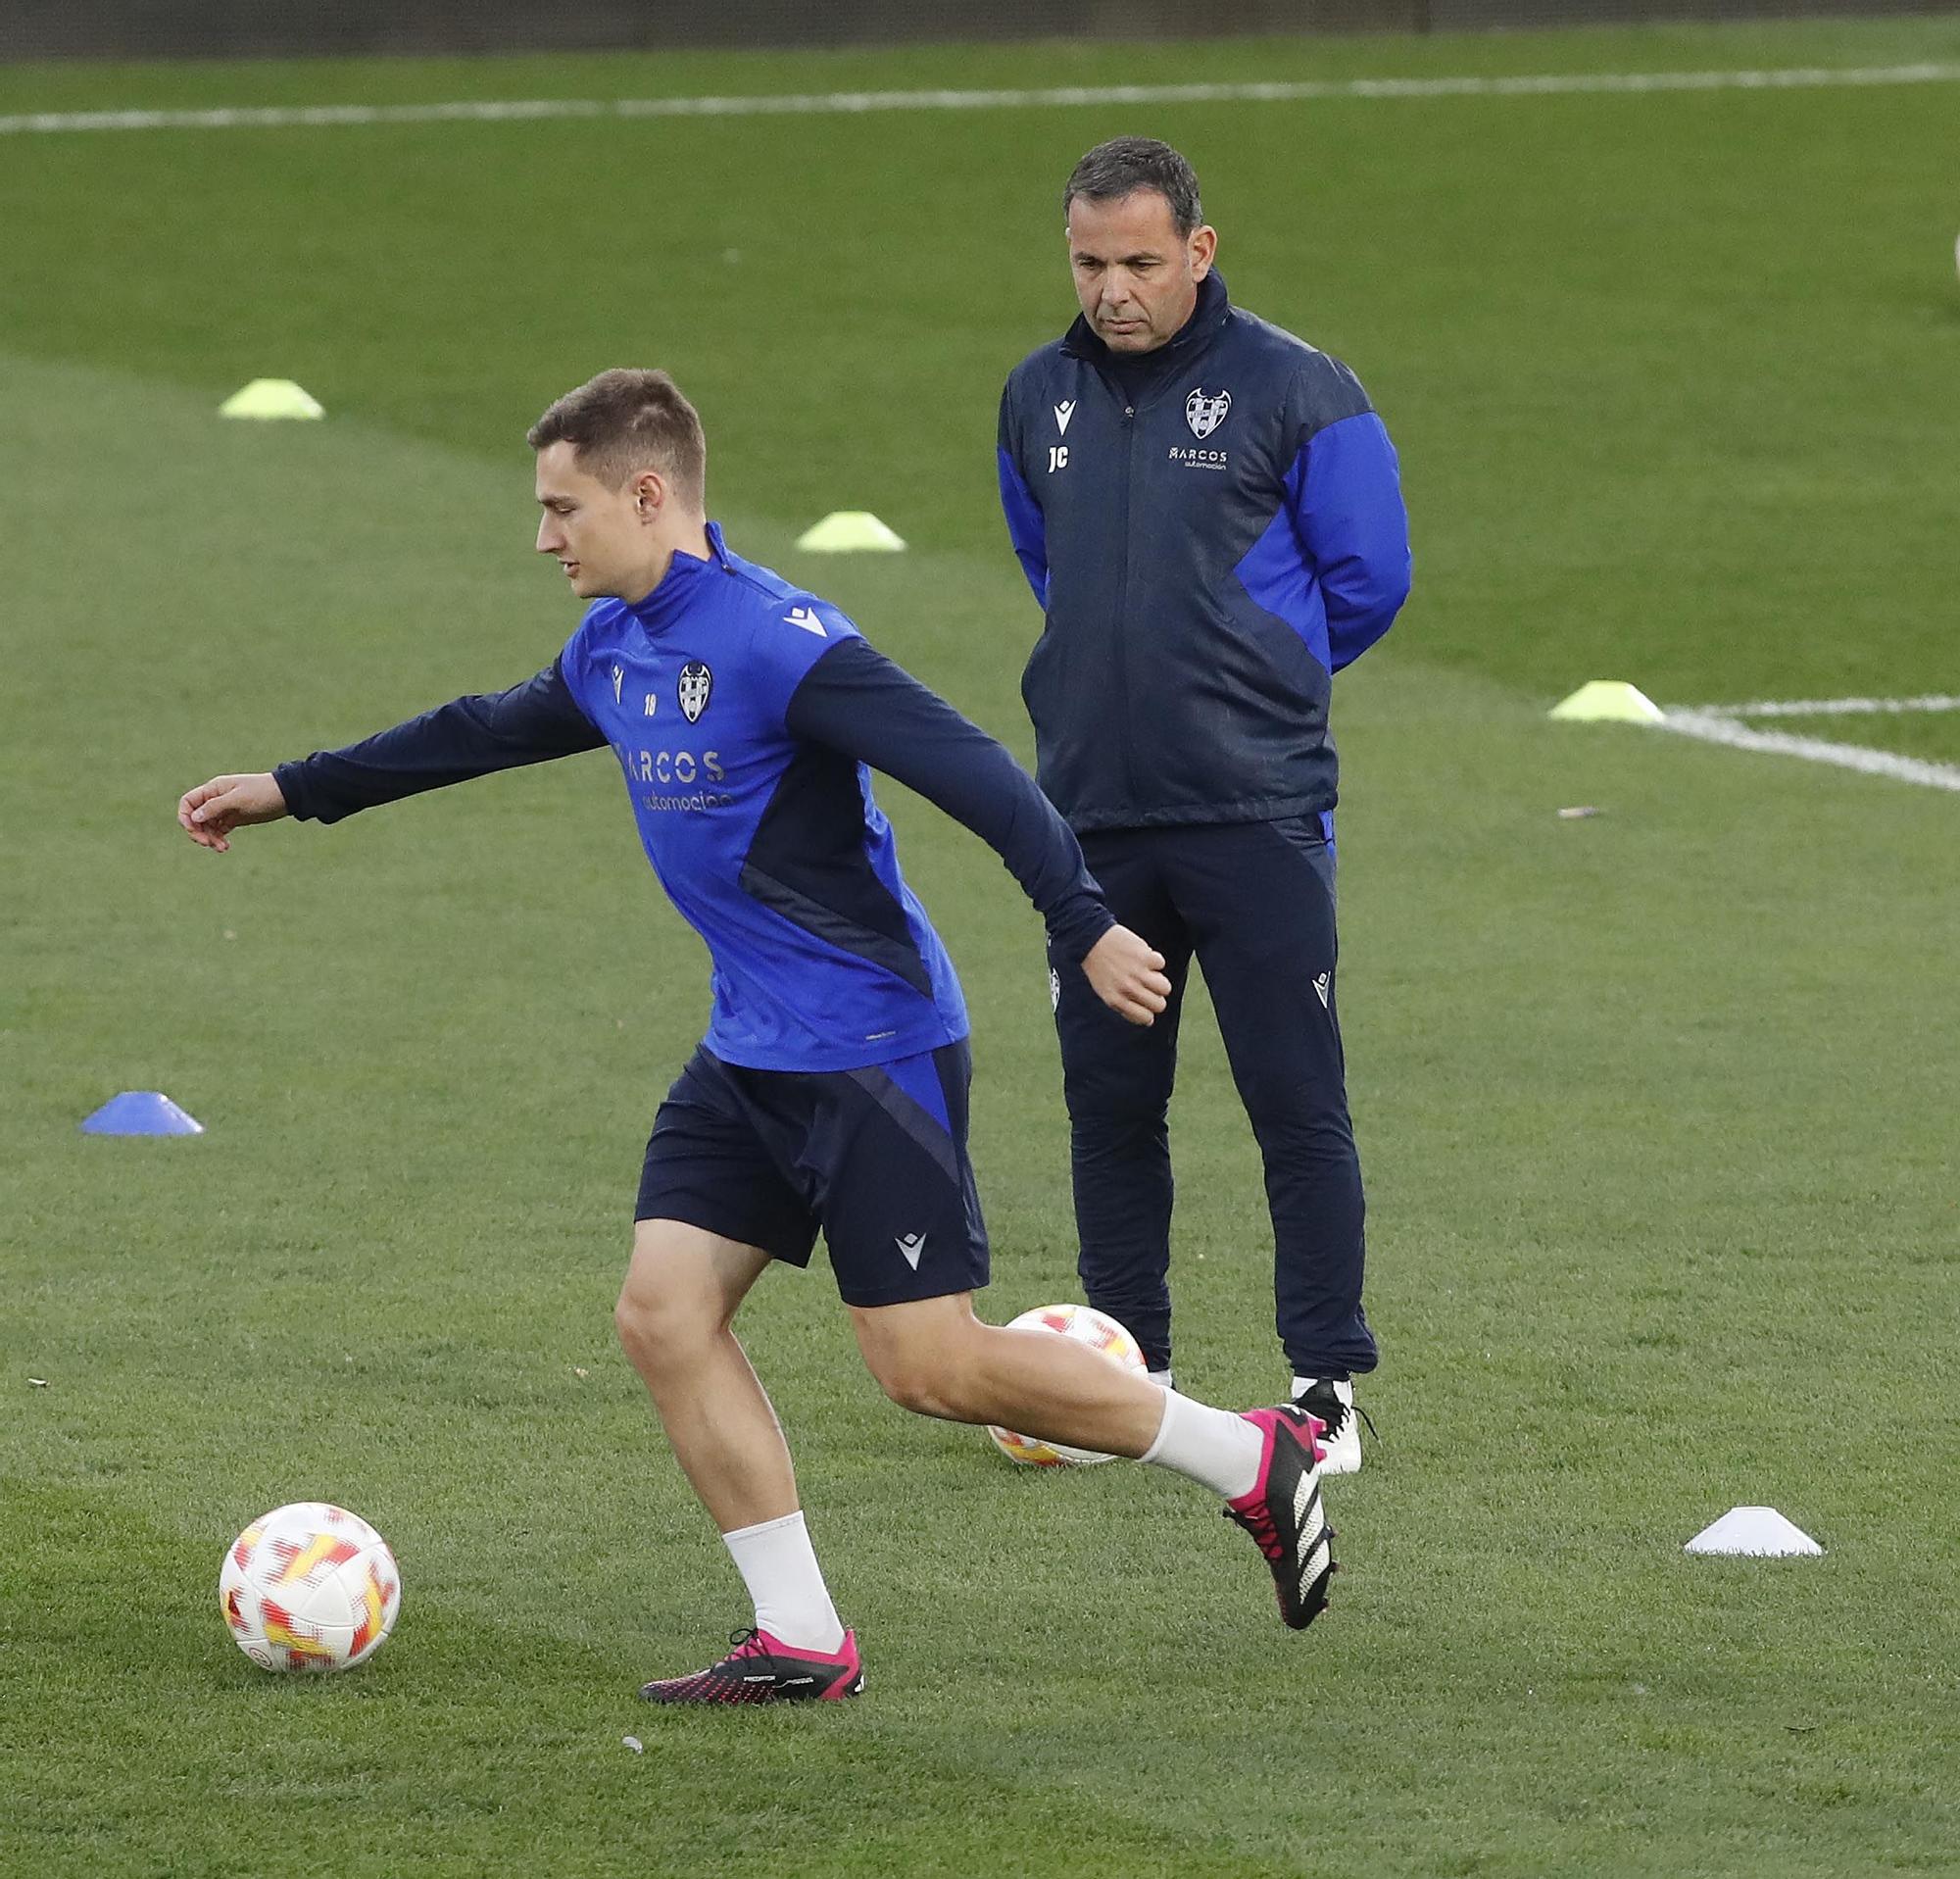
[
  {"x": 599, "y": 534},
  {"x": 1136, "y": 277}
]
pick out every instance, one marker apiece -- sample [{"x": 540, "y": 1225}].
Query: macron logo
[
  {"x": 1321, "y": 983},
  {"x": 1062, "y": 413},
  {"x": 911, "y": 1245},
  {"x": 806, "y": 619}
]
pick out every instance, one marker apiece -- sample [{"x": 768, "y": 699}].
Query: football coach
[{"x": 1210, "y": 515}]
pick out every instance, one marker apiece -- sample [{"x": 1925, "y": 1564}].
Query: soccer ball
[
  {"x": 310, "y": 1587},
  {"x": 1086, "y": 1326}
]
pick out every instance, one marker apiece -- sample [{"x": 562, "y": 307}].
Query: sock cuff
[
  {"x": 780, "y": 1526},
  {"x": 1155, "y": 1451}
]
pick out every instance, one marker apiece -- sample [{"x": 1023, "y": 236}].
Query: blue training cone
[{"x": 141, "y": 1112}]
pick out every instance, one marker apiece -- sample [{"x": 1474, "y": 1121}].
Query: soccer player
[
  {"x": 1209, "y": 513},
  {"x": 830, "y": 1090}
]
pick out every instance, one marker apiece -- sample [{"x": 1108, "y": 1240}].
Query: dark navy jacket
[
  {"x": 743, "y": 711},
  {"x": 1213, "y": 530}
]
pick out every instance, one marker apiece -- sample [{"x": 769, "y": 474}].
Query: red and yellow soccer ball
[
  {"x": 310, "y": 1587},
  {"x": 1103, "y": 1335}
]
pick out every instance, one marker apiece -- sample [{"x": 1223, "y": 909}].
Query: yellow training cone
[
  {"x": 271, "y": 398},
  {"x": 849, "y": 531},
  {"x": 1608, "y": 701}
]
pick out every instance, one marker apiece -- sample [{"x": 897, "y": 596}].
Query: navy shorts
[{"x": 877, "y": 1157}]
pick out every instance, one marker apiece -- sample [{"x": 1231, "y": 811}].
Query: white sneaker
[{"x": 1333, "y": 1401}]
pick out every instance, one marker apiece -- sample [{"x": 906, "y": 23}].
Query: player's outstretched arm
[
  {"x": 475, "y": 736},
  {"x": 209, "y": 813}
]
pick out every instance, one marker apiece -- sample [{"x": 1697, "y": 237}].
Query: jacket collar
[
  {"x": 1213, "y": 308},
  {"x": 680, "y": 586}
]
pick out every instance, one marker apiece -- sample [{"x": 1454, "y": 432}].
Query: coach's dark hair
[
  {"x": 1124, "y": 164},
  {"x": 627, "y": 420}
]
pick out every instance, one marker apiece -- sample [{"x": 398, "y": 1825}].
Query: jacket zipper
[{"x": 1127, "y": 715}]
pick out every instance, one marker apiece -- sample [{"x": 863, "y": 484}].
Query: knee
[
  {"x": 656, "y": 1328},
  {"x": 926, "y": 1375},
  {"x": 920, "y": 1386},
  {"x": 1291, "y": 1092},
  {"x": 1300, "y": 1124},
  {"x": 640, "y": 1322},
  {"x": 1116, "y": 1106}
]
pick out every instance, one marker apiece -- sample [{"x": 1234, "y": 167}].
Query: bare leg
[
  {"x": 682, "y": 1289},
  {"x": 935, "y": 1356},
  {"x": 675, "y": 1313}
]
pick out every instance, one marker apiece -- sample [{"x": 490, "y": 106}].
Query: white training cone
[
  {"x": 271, "y": 398},
  {"x": 848, "y": 531},
  {"x": 1610, "y": 700},
  {"x": 1758, "y": 1533}
]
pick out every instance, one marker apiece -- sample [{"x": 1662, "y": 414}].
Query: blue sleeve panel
[
  {"x": 530, "y": 723},
  {"x": 855, "y": 701},
  {"x": 1333, "y": 562},
  {"x": 1025, "y": 527},
  {"x": 1344, "y": 496}
]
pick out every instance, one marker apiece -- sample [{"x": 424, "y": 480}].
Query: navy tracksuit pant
[{"x": 1253, "y": 902}]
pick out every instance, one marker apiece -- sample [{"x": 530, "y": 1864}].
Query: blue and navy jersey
[
  {"x": 743, "y": 712},
  {"x": 1212, "y": 530}
]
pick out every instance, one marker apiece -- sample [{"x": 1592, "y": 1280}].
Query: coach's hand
[
  {"x": 211, "y": 810},
  {"x": 1127, "y": 974}
]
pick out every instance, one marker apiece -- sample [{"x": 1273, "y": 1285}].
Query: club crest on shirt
[
  {"x": 695, "y": 682},
  {"x": 1204, "y": 414}
]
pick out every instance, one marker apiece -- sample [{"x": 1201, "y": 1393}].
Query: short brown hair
[{"x": 628, "y": 419}]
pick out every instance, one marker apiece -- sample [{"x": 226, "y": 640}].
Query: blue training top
[{"x": 743, "y": 712}]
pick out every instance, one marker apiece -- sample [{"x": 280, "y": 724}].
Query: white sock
[
  {"x": 1214, "y": 1448},
  {"x": 778, "y": 1565},
  {"x": 1161, "y": 1378}
]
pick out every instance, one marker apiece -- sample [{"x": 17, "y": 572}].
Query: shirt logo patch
[
  {"x": 695, "y": 683},
  {"x": 807, "y": 618},
  {"x": 1204, "y": 414},
  {"x": 1062, "y": 413},
  {"x": 619, "y": 679}
]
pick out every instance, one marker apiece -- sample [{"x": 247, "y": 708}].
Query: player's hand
[
  {"x": 1126, "y": 972},
  {"x": 211, "y": 810}
]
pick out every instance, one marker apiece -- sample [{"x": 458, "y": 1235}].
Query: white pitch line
[
  {"x": 850, "y": 103},
  {"x": 1831, "y": 706},
  {"x": 1712, "y": 727}
]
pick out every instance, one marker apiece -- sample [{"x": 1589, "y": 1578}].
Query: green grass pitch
[{"x": 1657, "y": 1108}]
